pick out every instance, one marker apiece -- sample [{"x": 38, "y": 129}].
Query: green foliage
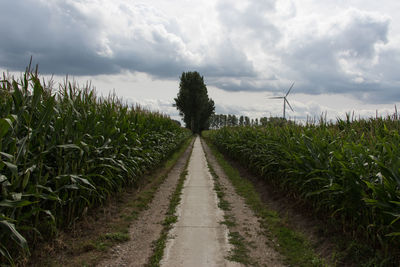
[
  {"x": 193, "y": 102},
  {"x": 292, "y": 245},
  {"x": 349, "y": 170},
  {"x": 240, "y": 247},
  {"x": 62, "y": 153},
  {"x": 221, "y": 120}
]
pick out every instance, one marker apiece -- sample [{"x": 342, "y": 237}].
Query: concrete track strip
[{"x": 198, "y": 238}]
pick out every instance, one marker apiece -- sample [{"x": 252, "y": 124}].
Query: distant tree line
[{"x": 217, "y": 121}]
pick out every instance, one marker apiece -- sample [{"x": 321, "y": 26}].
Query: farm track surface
[
  {"x": 147, "y": 228},
  {"x": 198, "y": 238},
  {"x": 260, "y": 249}
]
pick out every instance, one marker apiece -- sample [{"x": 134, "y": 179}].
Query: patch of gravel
[
  {"x": 247, "y": 224},
  {"x": 147, "y": 228}
]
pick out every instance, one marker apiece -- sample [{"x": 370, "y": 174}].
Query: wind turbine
[{"x": 284, "y": 101}]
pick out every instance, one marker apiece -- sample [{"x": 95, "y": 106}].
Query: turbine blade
[
  {"x": 289, "y": 104},
  {"x": 290, "y": 89},
  {"x": 276, "y": 97}
]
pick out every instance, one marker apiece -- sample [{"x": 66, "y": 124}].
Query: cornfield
[
  {"x": 66, "y": 151},
  {"x": 349, "y": 170}
]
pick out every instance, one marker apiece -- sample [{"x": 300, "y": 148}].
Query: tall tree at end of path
[{"x": 193, "y": 102}]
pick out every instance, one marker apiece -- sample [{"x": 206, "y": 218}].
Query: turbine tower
[{"x": 285, "y": 101}]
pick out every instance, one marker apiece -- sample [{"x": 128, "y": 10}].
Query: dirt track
[
  {"x": 198, "y": 238},
  {"x": 261, "y": 250},
  {"x": 147, "y": 227}
]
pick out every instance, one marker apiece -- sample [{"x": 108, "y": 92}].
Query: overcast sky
[{"x": 343, "y": 55}]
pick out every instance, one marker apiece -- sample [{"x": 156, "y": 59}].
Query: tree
[
  {"x": 264, "y": 121},
  {"x": 193, "y": 102},
  {"x": 241, "y": 120},
  {"x": 235, "y": 120},
  {"x": 246, "y": 121}
]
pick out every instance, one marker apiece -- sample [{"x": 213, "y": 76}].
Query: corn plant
[
  {"x": 62, "y": 152},
  {"x": 348, "y": 169}
]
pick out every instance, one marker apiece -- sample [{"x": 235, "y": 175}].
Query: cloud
[
  {"x": 89, "y": 38},
  {"x": 340, "y": 57},
  {"x": 104, "y": 37},
  {"x": 58, "y": 35},
  {"x": 157, "y": 105},
  {"x": 249, "y": 19},
  {"x": 250, "y": 45},
  {"x": 347, "y": 53},
  {"x": 339, "y": 54}
]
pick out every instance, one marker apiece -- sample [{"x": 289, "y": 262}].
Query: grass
[
  {"x": 170, "y": 219},
  {"x": 295, "y": 248},
  {"x": 117, "y": 237},
  {"x": 240, "y": 251},
  {"x": 104, "y": 242}
]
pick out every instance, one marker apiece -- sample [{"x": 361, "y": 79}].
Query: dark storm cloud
[
  {"x": 58, "y": 37},
  {"x": 386, "y": 70},
  {"x": 342, "y": 59},
  {"x": 64, "y": 38}
]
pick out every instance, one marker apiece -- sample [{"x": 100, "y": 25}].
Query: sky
[{"x": 342, "y": 55}]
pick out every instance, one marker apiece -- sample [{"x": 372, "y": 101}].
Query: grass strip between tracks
[
  {"x": 239, "y": 251},
  {"x": 294, "y": 246}
]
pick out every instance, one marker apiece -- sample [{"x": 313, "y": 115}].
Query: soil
[
  {"x": 247, "y": 225},
  {"x": 297, "y": 213}
]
